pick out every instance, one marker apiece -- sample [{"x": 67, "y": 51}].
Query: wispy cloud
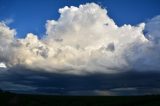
[{"x": 8, "y": 21}]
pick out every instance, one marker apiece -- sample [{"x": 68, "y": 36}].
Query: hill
[{"x": 11, "y": 99}]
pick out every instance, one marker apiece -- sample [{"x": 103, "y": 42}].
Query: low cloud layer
[{"x": 84, "y": 40}]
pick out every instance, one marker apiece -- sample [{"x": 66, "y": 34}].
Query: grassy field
[{"x": 9, "y": 99}]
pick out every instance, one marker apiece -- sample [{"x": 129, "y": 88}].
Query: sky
[
  {"x": 80, "y": 47},
  {"x": 25, "y": 13}
]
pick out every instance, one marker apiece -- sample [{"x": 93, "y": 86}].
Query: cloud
[
  {"x": 39, "y": 82},
  {"x": 9, "y": 86},
  {"x": 2, "y": 65},
  {"x": 8, "y": 21},
  {"x": 91, "y": 93},
  {"x": 152, "y": 29},
  {"x": 84, "y": 40}
]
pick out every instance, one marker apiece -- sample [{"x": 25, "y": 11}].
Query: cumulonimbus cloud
[{"x": 84, "y": 40}]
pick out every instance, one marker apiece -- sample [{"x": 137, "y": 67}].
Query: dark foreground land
[{"x": 9, "y": 99}]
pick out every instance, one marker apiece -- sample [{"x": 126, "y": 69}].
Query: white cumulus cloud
[{"x": 84, "y": 40}]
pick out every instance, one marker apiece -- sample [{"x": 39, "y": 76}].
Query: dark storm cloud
[{"x": 22, "y": 80}]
